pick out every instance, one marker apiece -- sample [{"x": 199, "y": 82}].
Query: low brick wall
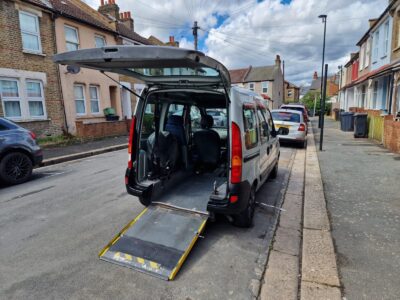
[
  {"x": 102, "y": 129},
  {"x": 392, "y": 134},
  {"x": 42, "y": 128}
]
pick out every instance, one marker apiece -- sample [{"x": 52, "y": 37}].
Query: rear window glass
[
  {"x": 155, "y": 72},
  {"x": 286, "y": 116},
  {"x": 250, "y": 127},
  {"x": 293, "y": 108},
  {"x": 6, "y": 124}
]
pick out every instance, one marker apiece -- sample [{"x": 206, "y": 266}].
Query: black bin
[
  {"x": 347, "y": 121},
  {"x": 360, "y": 125}
]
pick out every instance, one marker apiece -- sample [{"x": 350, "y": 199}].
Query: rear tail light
[
  {"x": 236, "y": 154},
  {"x": 302, "y": 127},
  {"x": 131, "y": 144},
  {"x": 32, "y": 134}
]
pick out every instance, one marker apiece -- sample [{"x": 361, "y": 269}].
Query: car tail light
[
  {"x": 236, "y": 154},
  {"x": 131, "y": 144},
  {"x": 233, "y": 198},
  {"x": 302, "y": 127},
  {"x": 32, "y": 134}
]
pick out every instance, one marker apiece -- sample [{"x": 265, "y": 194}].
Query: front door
[{"x": 126, "y": 101}]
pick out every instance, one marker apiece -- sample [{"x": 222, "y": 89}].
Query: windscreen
[
  {"x": 285, "y": 116},
  {"x": 293, "y": 108}
]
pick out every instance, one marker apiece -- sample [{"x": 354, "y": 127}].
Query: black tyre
[
  {"x": 145, "y": 201},
  {"x": 274, "y": 172},
  {"x": 15, "y": 168},
  {"x": 245, "y": 218}
]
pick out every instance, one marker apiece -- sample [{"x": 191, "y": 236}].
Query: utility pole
[
  {"x": 323, "y": 17},
  {"x": 195, "y": 30},
  {"x": 283, "y": 73},
  {"x": 321, "y": 138}
]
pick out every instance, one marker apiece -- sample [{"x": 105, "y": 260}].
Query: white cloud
[{"x": 256, "y": 31}]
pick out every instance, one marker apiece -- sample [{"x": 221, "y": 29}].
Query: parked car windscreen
[{"x": 286, "y": 116}]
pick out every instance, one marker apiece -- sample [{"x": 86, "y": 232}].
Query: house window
[
  {"x": 264, "y": 86},
  {"x": 376, "y": 47},
  {"x": 289, "y": 93},
  {"x": 362, "y": 55},
  {"x": 367, "y": 53},
  {"x": 100, "y": 41},
  {"x": 386, "y": 39},
  {"x": 375, "y": 95},
  {"x": 80, "y": 105},
  {"x": 34, "y": 92},
  {"x": 94, "y": 99},
  {"x": 10, "y": 97},
  {"x": 30, "y": 32},
  {"x": 71, "y": 38},
  {"x": 251, "y": 86}
]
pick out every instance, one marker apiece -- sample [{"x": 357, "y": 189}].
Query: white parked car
[
  {"x": 292, "y": 124},
  {"x": 184, "y": 164}
]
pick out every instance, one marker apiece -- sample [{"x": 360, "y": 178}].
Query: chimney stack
[
  {"x": 109, "y": 8},
  {"x": 278, "y": 60},
  {"x": 126, "y": 19},
  {"x": 315, "y": 75}
]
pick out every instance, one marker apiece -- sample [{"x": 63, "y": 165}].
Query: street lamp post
[{"x": 323, "y": 17}]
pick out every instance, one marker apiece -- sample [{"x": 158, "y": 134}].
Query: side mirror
[{"x": 283, "y": 131}]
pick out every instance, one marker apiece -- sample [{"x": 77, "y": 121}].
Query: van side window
[
  {"x": 268, "y": 117},
  {"x": 250, "y": 127},
  {"x": 176, "y": 110},
  {"x": 148, "y": 120},
  {"x": 195, "y": 117},
  {"x": 263, "y": 126}
]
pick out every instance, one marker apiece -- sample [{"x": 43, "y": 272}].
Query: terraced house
[
  {"x": 51, "y": 99},
  {"x": 30, "y": 90},
  {"x": 370, "y": 81}
]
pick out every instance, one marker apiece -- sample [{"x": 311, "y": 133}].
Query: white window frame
[
  {"x": 35, "y": 99},
  {"x": 84, "y": 99},
  {"x": 362, "y": 57},
  {"x": 70, "y": 42},
  {"x": 97, "y": 100},
  {"x": 98, "y": 36},
  {"x": 37, "y": 33},
  {"x": 264, "y": 87},
  {"x": 375, "y": 47},
  {"x": 367, "y": 53},
  {"x": 385, "y": 39},
  {"x": 250, "y": 86},
  {"x": 12, "y": 99}
]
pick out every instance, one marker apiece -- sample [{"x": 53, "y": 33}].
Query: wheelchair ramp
[{"x": 156, "y": 242}]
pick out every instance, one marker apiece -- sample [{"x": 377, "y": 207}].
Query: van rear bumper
[{"x": 224, "y": 206}]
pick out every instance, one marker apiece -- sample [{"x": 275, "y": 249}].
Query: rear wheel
[
  {"x": 145, "y": 201},
  {"x": 15, "y": 168},
  {"x": 274, "y": 172},
  {"x": 245, "y": 218}
]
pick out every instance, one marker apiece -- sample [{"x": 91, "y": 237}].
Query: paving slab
[
  {"x": 287, "y": 240},
  {"x": 281, "y": 277},
  {"x": 315, "y": 215},
  {"x": 318, "y": 258},
  {"x": 315, "y": 291}
]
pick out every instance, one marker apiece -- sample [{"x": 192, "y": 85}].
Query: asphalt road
[{"x": 52, "y": 228}]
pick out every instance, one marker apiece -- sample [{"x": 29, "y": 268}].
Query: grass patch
[{"x": 58, "y": 140}]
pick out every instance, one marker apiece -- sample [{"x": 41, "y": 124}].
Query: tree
[{"x": 310, "y": 98}]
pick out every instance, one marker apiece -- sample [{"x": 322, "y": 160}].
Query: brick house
[
  {"x": 292, "y": 93},
  {"x": 266, "y": 81},
  {"x": 30, "y": 90}
]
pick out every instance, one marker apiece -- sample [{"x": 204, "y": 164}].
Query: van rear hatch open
[{"x": 151, "y": 64}]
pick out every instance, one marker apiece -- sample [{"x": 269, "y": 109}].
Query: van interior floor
[{"x": 191, "y": 193}]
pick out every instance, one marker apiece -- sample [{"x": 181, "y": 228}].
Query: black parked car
[{"x": 19, "y": 152}]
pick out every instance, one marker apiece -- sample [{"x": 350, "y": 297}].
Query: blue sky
[{"x": 240, "y": 33}]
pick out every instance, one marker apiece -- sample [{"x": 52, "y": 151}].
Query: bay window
[
  {"x": 35, "y": 98},
  {"x": 10, "y": 97}
]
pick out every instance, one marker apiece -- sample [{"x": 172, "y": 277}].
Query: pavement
[
  {"x": 52, "y": 228},
  {"x": 59, "y": 154},
  {"x": 302, "y": 262},
  {"x": 361, "y": 186}
]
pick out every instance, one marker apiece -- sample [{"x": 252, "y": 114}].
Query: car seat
[
  {"x": 175, "y": 127},
  {"x": 207, "y": 144}
]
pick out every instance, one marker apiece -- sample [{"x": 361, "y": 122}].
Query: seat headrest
[
  {"x": 176, "y": 120},
  {"x": 207, "y": 122}
]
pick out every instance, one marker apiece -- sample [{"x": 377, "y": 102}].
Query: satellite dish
[{"x": 73, "y": 69}]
